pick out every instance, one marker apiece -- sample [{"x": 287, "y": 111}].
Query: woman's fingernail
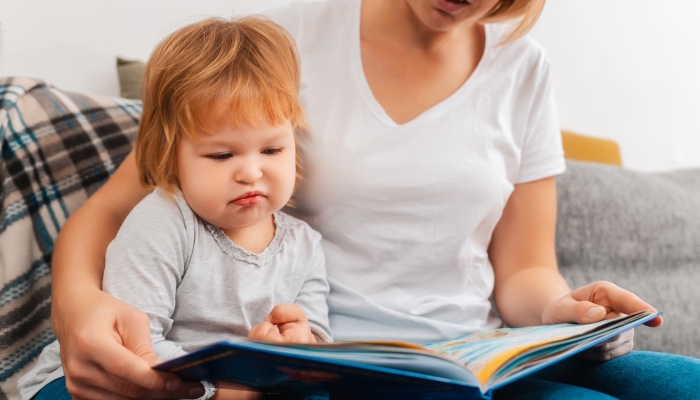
[
  {"x": 268, "y": 317},
  {"x": 172, "y": 384},
  {"x": 595, "y": 311},
  {"x": 196, "y": 392}
]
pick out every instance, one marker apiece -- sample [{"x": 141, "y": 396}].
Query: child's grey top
[{"x": 197, "y": 286}]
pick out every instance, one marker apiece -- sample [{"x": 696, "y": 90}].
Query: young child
[{"x": 208, "y": 255}]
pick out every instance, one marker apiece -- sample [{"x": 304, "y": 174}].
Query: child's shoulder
[
  {"x": 296, "y": 228},
  {"x": 161, "y": 208}
]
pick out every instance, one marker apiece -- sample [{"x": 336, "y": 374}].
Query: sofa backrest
[{"x": 642, "y": 232}]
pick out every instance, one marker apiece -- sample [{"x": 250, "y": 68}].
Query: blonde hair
[
  {"x": 526, "y": 11},
  {"x": 212, "y": 73}
]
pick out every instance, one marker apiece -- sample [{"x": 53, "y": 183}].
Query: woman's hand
[
  {"x": 106, "y": 352},
  {"x": 286, "y": 323},
  {"x": 593, "y": 303}
]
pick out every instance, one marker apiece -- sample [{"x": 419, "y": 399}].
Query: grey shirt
[{"x": 197, "y": 286}]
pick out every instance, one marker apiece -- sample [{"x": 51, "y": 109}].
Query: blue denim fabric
[
  {"x": 640, "y": 375},
  {"x": 55, "y": 390}
]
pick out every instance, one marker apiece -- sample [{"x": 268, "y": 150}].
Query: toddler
[{"x": 208, "y": 254}]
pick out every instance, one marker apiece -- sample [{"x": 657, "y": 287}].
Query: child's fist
[{"x": 286, "y": 323}]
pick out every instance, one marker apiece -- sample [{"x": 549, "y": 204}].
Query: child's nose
[{"x": 248, "y": 172}]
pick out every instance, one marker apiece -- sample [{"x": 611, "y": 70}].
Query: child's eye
[
  {"x": 220, "y": 156},
  {"x": 270, "y": 152}
]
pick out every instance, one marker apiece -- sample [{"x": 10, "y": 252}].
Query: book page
[{"x": 483, "y": 353}]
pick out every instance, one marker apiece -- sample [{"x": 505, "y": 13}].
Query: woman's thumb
[
  {"x": 138, "y": 337},
  {"x": 588, "y": 312},
  {"x": 150, "y": 357},
  {"x": 569, "y": 310}
]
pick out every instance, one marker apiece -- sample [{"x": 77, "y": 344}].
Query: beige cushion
[{"x": 130, "y": 75}]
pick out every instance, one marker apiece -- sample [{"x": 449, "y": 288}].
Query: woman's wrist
[
  {"x": 524, "y": 298},
  {"x": 69, "y": 306}
]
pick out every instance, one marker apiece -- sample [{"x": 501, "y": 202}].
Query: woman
[{"x": 432, "y": 151}]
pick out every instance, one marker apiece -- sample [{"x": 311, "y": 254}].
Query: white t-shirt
[{"x": 407, "y": 211}]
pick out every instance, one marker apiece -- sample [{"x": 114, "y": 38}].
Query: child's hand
[{"x": 286, "y": 323}]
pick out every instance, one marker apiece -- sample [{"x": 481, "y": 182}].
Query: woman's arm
[
  {"x": 79, "y": 253},
  {"x": 529, "y": 289},
  {"x": 522, "y": 254},
  {"x": 105, "y": 343}
]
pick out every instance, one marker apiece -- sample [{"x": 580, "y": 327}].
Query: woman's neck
[{"x": 410, "y": 67}]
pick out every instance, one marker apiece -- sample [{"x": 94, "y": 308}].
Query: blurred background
[{"x": 625, "y": 70}]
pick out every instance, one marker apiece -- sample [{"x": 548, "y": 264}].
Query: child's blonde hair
[{"x": 212, "y": 73}]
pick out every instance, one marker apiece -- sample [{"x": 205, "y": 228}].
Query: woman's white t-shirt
[{"x": 407, "y": 211}]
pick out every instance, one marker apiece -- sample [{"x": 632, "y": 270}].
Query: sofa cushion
[
  {"x": 642, "y": 232},
  {"x": 130, "y": 74},
  {"x": 57, "y": 149}
]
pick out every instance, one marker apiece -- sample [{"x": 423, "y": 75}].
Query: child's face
[{"x": 236, "y": 178}]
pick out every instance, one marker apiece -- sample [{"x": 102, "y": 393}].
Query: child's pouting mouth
[{"x": 249, "y": 199}]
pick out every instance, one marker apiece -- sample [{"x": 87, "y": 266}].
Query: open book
[{"x": 467, "y": 367}]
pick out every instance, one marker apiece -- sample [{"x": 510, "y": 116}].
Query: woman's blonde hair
[
  {"x": 526, "y": 12},
  {"x": 213, "y": 73}
]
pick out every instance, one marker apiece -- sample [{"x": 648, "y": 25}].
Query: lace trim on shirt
[{"x": 239, "y": 253}]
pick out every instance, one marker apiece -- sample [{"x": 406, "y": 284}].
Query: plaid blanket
[{"x": 57, "y": 149}]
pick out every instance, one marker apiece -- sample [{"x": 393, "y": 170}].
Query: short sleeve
[
  {"x": 315, "y": 289},
  {"x": 542, "y": 154}
]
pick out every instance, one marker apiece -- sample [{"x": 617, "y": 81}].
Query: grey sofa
[{"x": 641, "y": 231}]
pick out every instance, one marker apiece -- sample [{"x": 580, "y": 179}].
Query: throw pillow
[
  {"x": 58, "y": 148},
  {"x": 130, "y": 75}
]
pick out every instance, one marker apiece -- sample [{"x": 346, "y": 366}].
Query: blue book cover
[{"x": 466, "y": 367}]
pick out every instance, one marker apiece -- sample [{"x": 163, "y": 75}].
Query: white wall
[
  {"x": 629, "y": 70},
  {"x": 625, "y": 69},
  {"x": 73, "y": 43}
]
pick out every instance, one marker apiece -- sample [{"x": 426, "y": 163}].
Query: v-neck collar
[{"x": 373, "y": 104}]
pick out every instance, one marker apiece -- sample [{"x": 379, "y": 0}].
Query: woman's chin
[{"x": 436, "y": 20}]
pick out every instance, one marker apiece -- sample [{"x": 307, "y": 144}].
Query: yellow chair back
[{"x": 585, "y": 148}]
